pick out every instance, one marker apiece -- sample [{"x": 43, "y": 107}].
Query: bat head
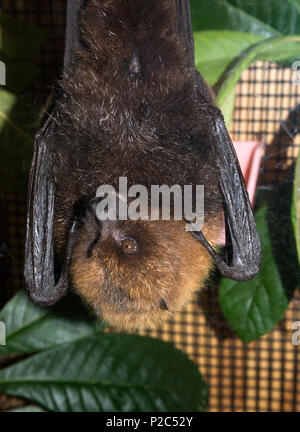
[{"x": 134, "y": 273}]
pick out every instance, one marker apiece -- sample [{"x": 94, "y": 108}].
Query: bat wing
[
  {"x": 39, "y": 252},
  {"x": 242, "y": 241},
  {"x": 39, "y": 267},
  {"x": 39, "y": 249},
  {"x": 72, "y": 34}
]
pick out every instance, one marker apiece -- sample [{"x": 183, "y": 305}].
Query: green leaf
[
  {"x": 18, "y": 40},
  {"x": 28, "y": 408},
  {"x": 275, "y": 49},
  {"x": 222, "y": 56},
  {"x": 227, "y": 108},
  {"x": 253, "y": 308},
  {"x": 266, "y": 18},
  {"x": 215, "y": 50},
  {"x": 109, "y": 372},
  {"x": 281, "y": 15},
  {"x": 30, "y": 328},
  {"x": 18, "y": 122},
  {"x": 296, "y": 206},
  {"x": 19, "y": 74},
  {"x": 230, "y": 35},
  {"x": 279, "y": 202},
  {"x": 19, "y": 46}
]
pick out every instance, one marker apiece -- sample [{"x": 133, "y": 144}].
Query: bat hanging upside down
[{"x": 131, "y": 105}]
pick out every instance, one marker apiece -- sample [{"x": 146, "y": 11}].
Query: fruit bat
[{"x": 130, "y": 103}]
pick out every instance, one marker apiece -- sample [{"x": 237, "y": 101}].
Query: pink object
[{"x": 249, "y": 155}]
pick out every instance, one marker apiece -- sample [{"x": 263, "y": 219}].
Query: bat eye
[{"x": 129, "y": 246}]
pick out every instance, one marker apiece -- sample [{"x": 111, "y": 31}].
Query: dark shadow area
[{"x": 208, "y": 301}]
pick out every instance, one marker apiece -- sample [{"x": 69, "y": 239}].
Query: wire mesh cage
[{"x": 265, "y": 374}]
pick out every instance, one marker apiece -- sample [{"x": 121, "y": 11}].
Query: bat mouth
[
  {"x": 132, "y": 316},
  {"x": 117, "y": 300},
  {"x": 126, "y": 304}
]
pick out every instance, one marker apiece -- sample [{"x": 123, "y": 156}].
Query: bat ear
[
  {"x": 39, "y": 253},
  {"x": 242, "y": 241}
]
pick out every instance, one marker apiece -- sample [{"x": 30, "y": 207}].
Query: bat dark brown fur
[
  {"x": 128, "y": 106},
  {"x": 114, "y": 122}
]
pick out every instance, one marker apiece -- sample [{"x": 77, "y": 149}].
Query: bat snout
[{"x": 136, "y": 274}]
